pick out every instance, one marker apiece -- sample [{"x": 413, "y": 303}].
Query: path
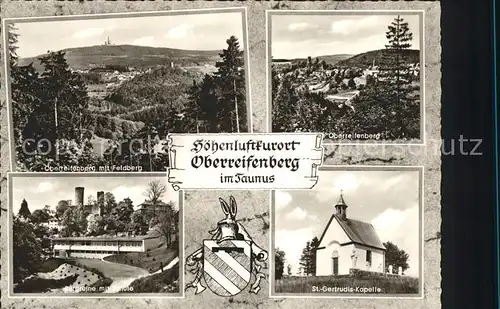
[
  {"x": 121, "y": 274},
  {"x": 133, "y": 273}
]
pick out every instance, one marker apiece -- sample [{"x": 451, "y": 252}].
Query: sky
[
  {"x": 49, "y": 190},
  {"x": 389, "y": 200},
  {"x": 206, "y": 31},
  {"x": 300, "y": 36}
]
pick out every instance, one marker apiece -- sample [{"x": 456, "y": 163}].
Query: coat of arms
[{"x": 227, "y": 260}]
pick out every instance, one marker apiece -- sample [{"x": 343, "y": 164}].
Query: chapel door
[{"x": 335, "y": 265}]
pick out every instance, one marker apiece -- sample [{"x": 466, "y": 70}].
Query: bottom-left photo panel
[{"x": 95, "y": 234}]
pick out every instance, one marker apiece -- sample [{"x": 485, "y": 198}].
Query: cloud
[
  {"x": 350, "y": 26},
  {"x": 145, "y": 41},
  {"x": 401, "y": 227},
  {"x": 297, "y": 214},
  {"x": 178, "y": 32},
  {"x": 281, "y": 199},
  {"x": 45, "y": 186},
  {"x": 346, "y": 181},
  {"x": 89, "y": 32},
  {"x": 292, "y": 242},
  {"x": 300, "y": 26}
]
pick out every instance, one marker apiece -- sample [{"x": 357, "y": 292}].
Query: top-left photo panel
[{"x": 102, "y": 92}]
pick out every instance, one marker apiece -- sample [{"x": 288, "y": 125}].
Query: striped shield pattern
[{"x": 227, "y": 265}]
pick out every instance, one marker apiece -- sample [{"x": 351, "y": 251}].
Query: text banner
[{"x": 244, "y": 161}]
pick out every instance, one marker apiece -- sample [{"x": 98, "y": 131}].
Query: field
[{"x": 388, "y": 285}]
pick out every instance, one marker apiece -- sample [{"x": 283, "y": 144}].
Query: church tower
[{"x": 341, "y": 208}]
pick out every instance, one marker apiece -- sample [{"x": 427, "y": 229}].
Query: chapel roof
[{"x": 359, "y": 232}]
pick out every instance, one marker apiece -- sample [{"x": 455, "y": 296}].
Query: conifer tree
[
  {"x": 390, "y": 105},
  {"x": 231, "y": 79},
  {"x": 209, "y": 104},
  {"x": 67, "y": 94},
  {"x": 24, "y": 211},
  {"x": 13, "y": 40},
  {"x": 306, "y": 259},
  {"x": 284, "y": 107}
]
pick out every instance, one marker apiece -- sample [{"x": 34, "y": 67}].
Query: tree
[
  {"x": 289, "y": 269},
  {"x": 279, "y": 263},
  {"x": 324, "y": 65},
  {"x": 61, "y": 208},
  {"x": 91, "y": 200},
  {"x": 41, "y": 232},
  {"x": 124, "y": 212},
  {"x": 314, "y": 251},
  {"x": 306, "y": 260},
  {"x": 146, "y": 148},
  {"x": 154, "y": 193},
  {"x": 13, "y": 40},
  {"x": 370, "y": 80},
  {"x": 351, "y": 84},
  {"x": 284, "y": 107},
  {"x": 168, "y": 224},
  {"x": 231, "y": 81},
  {"x": 40, "y": 216},
  {"x": 205, "y": 107},
  {"x": 138, "y": 224},
  {"x": 395, "y": 80},
  {"x": 95, "y": 225},
  {"x": 27, "y": 250},
  {"x": 48, "y": 210},
  {"x": 27, "y": 104},
  {"x": 74, "y": 221},
  {"x": 66, "y": 93},
  {"x": 109, "y": 202},
  {"x": 395, "y": 257},
  {"x": 24, "y": 211}
]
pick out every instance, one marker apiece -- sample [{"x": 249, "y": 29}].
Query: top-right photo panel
[{"x": 355, "y": 76}]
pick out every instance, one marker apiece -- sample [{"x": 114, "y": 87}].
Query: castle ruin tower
[
  {"x": 79, "y": 193},
  {"x": 100, "y": 202}
]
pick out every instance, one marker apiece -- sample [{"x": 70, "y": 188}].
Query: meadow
[{"x": 387, "y": 284}]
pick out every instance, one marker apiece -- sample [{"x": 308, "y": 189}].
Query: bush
[
  {"x": 101, "y": 285},
  {"x": 39, "y": 285},
  {"x": 50, "y": 265},
  {"x": 92, "y": 78},
  {"x": 161, "y": 282}
]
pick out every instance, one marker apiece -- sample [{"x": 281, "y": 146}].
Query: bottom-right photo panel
[{"x": 356, "y": 233}]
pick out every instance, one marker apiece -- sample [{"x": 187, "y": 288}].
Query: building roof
[
  {"x": 148, "y": 203},
  {"x": 360, "y": 232},
  {"x": 107, "y": 238}
]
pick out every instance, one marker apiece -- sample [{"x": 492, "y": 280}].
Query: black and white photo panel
[
  {"x": 357, "y": 233},
  {"x": 93, "y": 234},
  {"x": 356, "y": 76},
  {"x": 101, "y": 92}
]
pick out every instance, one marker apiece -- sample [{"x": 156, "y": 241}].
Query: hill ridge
[
  {"x": 365, "y": 59},
  {"x": 86, "y": 57}
]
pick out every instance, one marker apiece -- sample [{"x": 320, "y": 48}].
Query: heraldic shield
[{"x": 227, "y": 265}]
